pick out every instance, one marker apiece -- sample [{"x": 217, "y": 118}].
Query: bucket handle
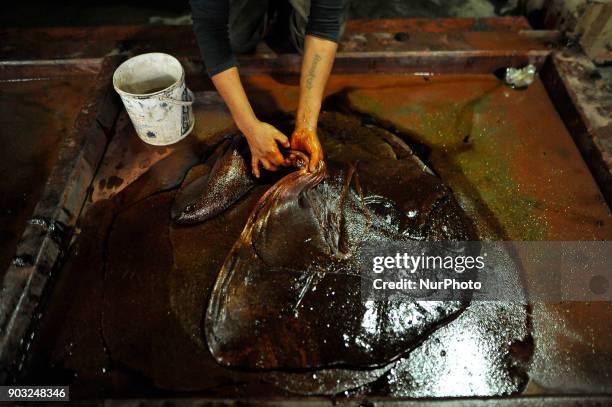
[{"x": 180, "y": 102}]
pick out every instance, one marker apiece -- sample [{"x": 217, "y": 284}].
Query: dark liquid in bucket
[
  {"x": 151, "y": 86},
  {"x": 156, "y": 89}
]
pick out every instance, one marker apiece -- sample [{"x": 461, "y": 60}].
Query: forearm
[
  {"x": 230, "y": 88},
  {"x": 318, "y": 60},
  {"x": 262, "y": 137}
]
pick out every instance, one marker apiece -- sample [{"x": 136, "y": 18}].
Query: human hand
[
  {"x": 306, "y": 139},
  {"x": 262, "y": 138}
]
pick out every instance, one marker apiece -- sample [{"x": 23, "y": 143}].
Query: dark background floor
[{"x": 92, "y": 12}]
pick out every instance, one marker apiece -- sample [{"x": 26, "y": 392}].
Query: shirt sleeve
[
  {"x": 210, "y": 25},
  {"x": 324, "y": 19}
]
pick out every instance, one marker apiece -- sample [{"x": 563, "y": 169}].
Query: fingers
[
  {"x": 255, "y": 167},
  {"x": 282, "y": 139},
  {"x": 276, "y": 158},
  {"x": 315, "y": 157},
  {"x": 268, "y": 165},
  {"x": 265, "y": 150},
  {"x": 286, "y": 162}
]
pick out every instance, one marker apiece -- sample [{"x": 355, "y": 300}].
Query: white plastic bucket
[{"x": 152, "y": 87}]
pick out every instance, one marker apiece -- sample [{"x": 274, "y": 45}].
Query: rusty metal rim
[
  {"x": 408, "y": 62},
  {"x": 558, "y": 77},
  {"x": 25, "y": 287},
  {"x": 19, "y": 71},
  {"x": 50, "y": 227},
  {"x": 25, "y": 283}
]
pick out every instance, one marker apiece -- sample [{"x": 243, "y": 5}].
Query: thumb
[
  {"x": 255, "y": 167},
  {"x": 314, "y": 161}
]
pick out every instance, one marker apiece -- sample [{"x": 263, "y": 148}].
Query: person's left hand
[{"x": 306, "y": 139}]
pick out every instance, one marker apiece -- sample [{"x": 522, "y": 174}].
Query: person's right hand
[{"x": 262, "y": 138}]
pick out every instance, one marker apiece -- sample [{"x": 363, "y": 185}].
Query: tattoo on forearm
[{"x": 311, "y": 71}]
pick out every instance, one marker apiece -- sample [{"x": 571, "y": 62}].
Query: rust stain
[
  {"x": 35, "y": 116},
  {"x": 505, "y": 153}
]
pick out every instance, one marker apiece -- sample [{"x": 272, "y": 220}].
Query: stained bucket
[{"x": 152, "y": 87}]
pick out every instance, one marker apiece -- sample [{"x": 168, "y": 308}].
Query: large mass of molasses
[{"x": 288, "y": 295}]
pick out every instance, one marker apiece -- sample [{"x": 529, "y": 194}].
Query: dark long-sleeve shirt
[{"x": 210, "y": 24}]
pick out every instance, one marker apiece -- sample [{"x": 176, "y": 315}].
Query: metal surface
[
  {"x": 35, "y": 117},
  {"x": 584, "y": 101},
  {"x": 505, "y": 153},
  {"x": 453, "y": 45},
  {"x": 40, "y": 101},
  {"x": 95, "y": 42},
  {"x": 56, "y": 213},
  {"x": 38, "y": 70},
  {"x": 553, "y": 198}
]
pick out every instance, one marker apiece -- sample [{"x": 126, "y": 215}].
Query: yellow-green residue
[{"x": 472, "y": 146}]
